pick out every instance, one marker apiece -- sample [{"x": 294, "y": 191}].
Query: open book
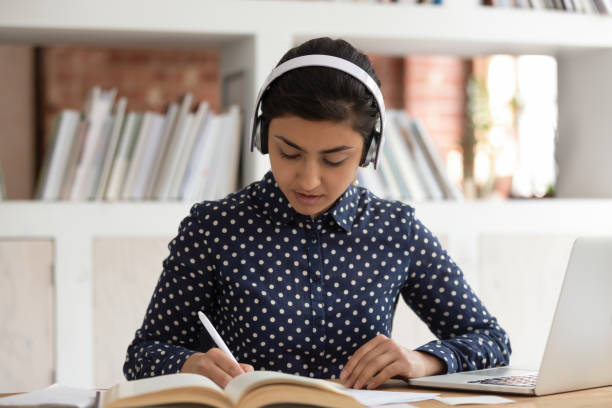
[{"x": 250, "y": 390}]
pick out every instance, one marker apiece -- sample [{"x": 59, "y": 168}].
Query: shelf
[
  {"x": 138, "y": 219},
  {"x": 378, "y": 28}
]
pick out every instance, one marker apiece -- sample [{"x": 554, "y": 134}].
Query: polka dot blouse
[{"x": 300, "y": 295}]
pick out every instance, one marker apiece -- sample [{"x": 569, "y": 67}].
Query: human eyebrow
[
  {"x": 289, "y": 143},
  {"x": 327, "y": 151}
]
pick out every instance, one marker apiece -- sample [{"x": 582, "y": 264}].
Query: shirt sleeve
[
  {"x": 469, "y": 338},
  {"x": 170, "y": 331}
]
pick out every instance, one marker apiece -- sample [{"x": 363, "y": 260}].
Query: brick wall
[
  {"x": 430, "y": 88},
  {"x": 149, "y": 78},
  {"x": 390, "y": 71},
  {"x": 434, "y": 92}
]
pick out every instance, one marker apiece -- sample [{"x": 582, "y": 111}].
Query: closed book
[
  {"x": 161, "y": 190},
  {"x": 199, "y": 162},
  {"x": 204, "y": 161},
  {"x": 401, "y": 162},
  {"x": 111, "y": 149},
  {"x": 250, "y": 390},
  {"x": 95, "y": 168},
  {"x": 169, "y": 123},
  {"x": 450, "y": 190},
  {"x": 75, "y": 153},
  {"x": 185, "y": 148},
  {"x": 142, "y": 138},
  {"x": 56, "y": 161},
  {"x": 144, "y": 171},
  {"x": 96, "y": 116},
  {"x": 122, "y": 158},
  {"x": 424, "y": 168}
]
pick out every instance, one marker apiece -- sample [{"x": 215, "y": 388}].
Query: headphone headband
[{"x": 331, "y": 62}]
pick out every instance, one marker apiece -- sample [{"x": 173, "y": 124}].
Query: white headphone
[{"x": 340, "y": 64}]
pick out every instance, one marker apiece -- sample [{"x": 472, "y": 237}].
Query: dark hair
[{"x": 322, "y": 93}]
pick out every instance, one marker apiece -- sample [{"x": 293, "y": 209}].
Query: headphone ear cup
[
  {"x": 257, "y": 135},
  {"x": 263, "y": 135},
  {"x": 370, "y": 155}
]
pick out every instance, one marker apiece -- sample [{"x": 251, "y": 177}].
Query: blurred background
[{"x": 116, "y": 117}]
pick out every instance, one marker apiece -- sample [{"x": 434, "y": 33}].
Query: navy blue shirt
[{"x": 300, "y": 295}]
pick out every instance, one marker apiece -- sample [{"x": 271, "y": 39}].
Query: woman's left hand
[{"x": 381, "y": 359}]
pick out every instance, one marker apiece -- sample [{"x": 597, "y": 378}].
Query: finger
[
  {"x": 361, "y": 351},
  {"x": 225, "y": 362},
  {"x": 365, "y": 361},
  {"x": 373, "y": 367},
  {"x": 246, "y": 367},
  {"x": 385, "y": 374},
  {"x": 358, "y": 369},
  {"x": 220, "y": 377},
  {"x": 207, "y": 367}
]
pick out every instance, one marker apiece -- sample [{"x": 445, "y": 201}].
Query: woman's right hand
[{"x": 216, "y": 365}]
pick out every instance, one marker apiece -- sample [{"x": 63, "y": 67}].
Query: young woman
[{"x": 301, "y": 272}]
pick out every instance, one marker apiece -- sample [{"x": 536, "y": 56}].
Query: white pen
[{"x": 215, "y": 336}]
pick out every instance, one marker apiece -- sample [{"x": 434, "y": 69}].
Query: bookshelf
[{"x": 251, "y": 36}]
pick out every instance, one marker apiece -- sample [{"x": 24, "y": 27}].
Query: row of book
[
  {"x": 575, "y": 6},
  {"x": 410, "y": 166},
  {"x": 108, "y": 153}
]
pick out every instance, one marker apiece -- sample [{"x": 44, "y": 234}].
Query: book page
[
  {"x": 247, "y": 382},
  {"x": 161, "y": 383}
]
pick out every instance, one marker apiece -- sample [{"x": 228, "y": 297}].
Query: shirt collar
[{"x": 271, "y": 202}]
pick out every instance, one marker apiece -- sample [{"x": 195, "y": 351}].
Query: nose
[{"x": 309, "y": 176}]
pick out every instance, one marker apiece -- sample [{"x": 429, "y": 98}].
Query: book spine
[
  {"x": 135, "y": 157},
  {"x": 121, "y": 163},
  {"x": 112, "y": 148},
  {"x": 99, "y": 110},
  {"x": 186, "y": 148},
  {"x": 162, "y": 187},
  {"x": 169, "y": 123},
  {"x": 144, "y": 171}
]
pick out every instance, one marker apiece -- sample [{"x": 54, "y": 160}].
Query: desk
[{"x": 593, "y": 398}]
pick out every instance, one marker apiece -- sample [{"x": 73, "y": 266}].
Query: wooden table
[{"x": 592, "y": 398}]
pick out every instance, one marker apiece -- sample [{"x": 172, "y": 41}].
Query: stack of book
[
  {"x": 108, "y": 153},
  {"x": 575, "y": 6},
  {"x": 410, "y": 167}
]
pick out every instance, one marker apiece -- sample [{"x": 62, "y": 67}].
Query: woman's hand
[
  {"x": 382, "y": 358},
  {"x": 216, "y": 365}
]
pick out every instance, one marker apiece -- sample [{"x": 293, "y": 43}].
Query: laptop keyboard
[{"x": 515, "y": 381}]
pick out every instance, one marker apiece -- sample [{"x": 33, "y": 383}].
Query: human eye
[
  {"x": 334, "y": 163},
  {"x": 288, "y": 156}
]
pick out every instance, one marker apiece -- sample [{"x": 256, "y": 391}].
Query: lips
[{"x": 307, "y": 199}]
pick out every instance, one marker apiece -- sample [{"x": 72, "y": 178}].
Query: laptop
[{"x": 578, "y": 351}]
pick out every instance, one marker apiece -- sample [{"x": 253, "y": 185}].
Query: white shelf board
[
  {"x": 28, "y": 219},
  {"x": 47, "y": 219},
  {"x": 378, "y": 28}
]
